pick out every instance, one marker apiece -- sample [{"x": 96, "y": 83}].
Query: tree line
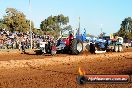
[
  {"x": 15, "y": 20},
  {"x": 126, "y": 28}
]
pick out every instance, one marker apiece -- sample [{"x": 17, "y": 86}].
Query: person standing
[
  {"x": 23, "y": 44},
  {"x": 92, "y": 48}
]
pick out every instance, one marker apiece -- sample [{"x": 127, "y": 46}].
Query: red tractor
[{"x": 70, "y": 45}]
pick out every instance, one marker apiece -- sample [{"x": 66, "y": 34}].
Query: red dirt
[{"x": 60, "y": 71}]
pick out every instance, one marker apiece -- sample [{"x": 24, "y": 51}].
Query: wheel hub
[{"x": 79, "y": 47}]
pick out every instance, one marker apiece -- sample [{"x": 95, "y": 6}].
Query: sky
[{"x": 94, "y": 14}]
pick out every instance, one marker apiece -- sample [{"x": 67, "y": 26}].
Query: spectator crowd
[{"x": 15, "y": 40}]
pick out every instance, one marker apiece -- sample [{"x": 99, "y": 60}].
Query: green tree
[
  {"x": 37, "y": 31},
  {"x": 53, "y": 25},
  {"x": 62, "y": 20},
  {"x": 2, "y": 25},
  {"x": 67, "y": 28},
  {"x": 126, "y": 28},
  {"x": 16, "y": 20}
]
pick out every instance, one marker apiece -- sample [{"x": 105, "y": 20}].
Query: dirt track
[{"x": 60, "y": 71}]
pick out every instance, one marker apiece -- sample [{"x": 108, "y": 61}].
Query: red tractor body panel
[{"x": 66, "y": 41}]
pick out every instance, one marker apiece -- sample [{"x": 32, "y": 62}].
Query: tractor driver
[
  {"x": 70, "y": 38},
  {"x": 70, "y": 35}
]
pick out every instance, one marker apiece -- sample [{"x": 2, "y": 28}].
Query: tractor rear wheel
[{"x": 76, "y": 46}]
